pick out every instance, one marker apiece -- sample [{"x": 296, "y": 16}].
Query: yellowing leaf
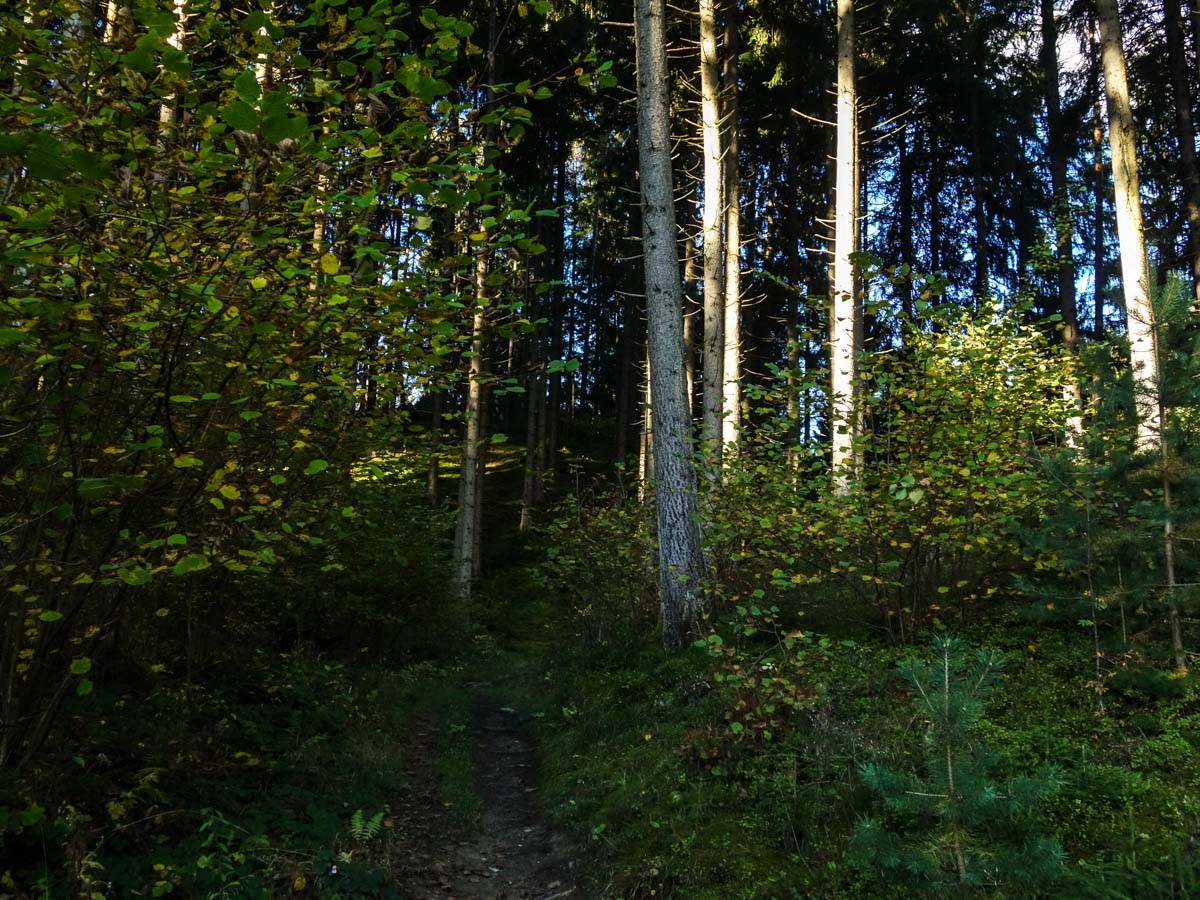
[{"x": 330, "y": 264}]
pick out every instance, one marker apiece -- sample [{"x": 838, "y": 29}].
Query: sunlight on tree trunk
[
  {"x": 844, "y": 307},
  {"x": 731, "y": 367},
  {"x": 714, "y": 293},
  {"x": 1135, "y": 274}
]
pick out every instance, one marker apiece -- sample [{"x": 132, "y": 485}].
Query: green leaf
[
  {"x": 247, "y": 86},
  {"x": 177, "y": 540},
  {"x": 81, "y": 666},
  {"x": 316, "y": 466},
  {"x": 194, "y": 562},
  {"x": 50, "y": 616},
  {"x": 240, "y": 115}
]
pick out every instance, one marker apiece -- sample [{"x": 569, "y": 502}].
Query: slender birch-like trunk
[
  {"x": 844, "y": 307},
  {"x": 714, "y": 294},
  {"x": 470, "y": 487},
  {"x": 1099, "y": 269},
  {"x": 1135, "y": 272},
  {"x": 731, "y": 366},
  {"x": 681, "y": 563},
  {"x": 1135, "y": 275},
  {"x": 465, "y": 538},
  {"x": 166, "y": 111}
]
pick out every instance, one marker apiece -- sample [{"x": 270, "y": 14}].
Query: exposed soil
[{"x": 510, "y": 852}]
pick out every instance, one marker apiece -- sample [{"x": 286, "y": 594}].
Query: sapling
[{"x": 953, "y": 828}]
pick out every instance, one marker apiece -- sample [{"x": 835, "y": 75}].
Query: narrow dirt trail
[{"x": 510, "y": 852}]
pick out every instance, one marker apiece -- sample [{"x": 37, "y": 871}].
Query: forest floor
[{"x": 506, "y": 850}]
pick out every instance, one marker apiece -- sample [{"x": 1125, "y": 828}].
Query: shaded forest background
[{"x": 323, "y": 395}]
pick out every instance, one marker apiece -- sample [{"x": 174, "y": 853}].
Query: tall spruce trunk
[
  {"x": 844, "y": 312},
  {"x": 906, "y": 225},
  {"x": 1186, "y": 135},
  {"x": 714, "y": 294},
  {"x": 681, "y": 564},
  {"x": 1063, "y": 229},
  {"x": 979, "y": 191}
]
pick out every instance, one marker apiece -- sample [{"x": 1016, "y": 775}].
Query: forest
[{"x": 558, "y": 448}]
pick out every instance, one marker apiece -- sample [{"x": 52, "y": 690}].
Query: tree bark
[
  {"x": 1063, "y": 229},
  {"x": 166, "y": 111},
  {"x": 1135, "y": 272},
  {"x": 1099, "y": 182},
  {"x": 731, "y": 367},
  {"x": 979, "y": 192},
  {"x": 905, "y": 287},
  {"x": 681, "y": 564},
  {"x": 433, "y": 492},
  {"x": 714, "y": 294},
  {"x": 465, "y": 538},
  {"x": 690, "y": 308},
  {"x": 1186, "y": 135},
  {"x": 844, "y": 306},
  {"x": 1135, "y": 275}
]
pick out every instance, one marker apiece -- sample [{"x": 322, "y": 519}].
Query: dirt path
[{"x": 511, "y": 852}]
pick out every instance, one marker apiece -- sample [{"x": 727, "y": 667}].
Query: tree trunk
[
  {"x": 690, "y": 308},
  {"x": 982, "y": 285},
  {"x": 533, "y": 414},
  {"x": 844, "y": 306},
  {"x": 906, "y": 226},
  {"x": 1186, "y": 135},
  {"x": 1135, "y": 272},
  {"x": 1099, "y": 182},
  {"x": 731, "y": 366},
  {"x": 714, "y": 295},
  {"x": 625, "y": 369},
  {"x": 433, "y": 485},
  {"x": 1063, "y": 230},
  {"x": 166, "y": 111},
  {"x": 681, "y": 564},
  {"x": 465, "y": 539},
  {"x": 646, "y": 435},
  {"x": 1135, "y": 275},
  {"x": 558, "y": 305}
]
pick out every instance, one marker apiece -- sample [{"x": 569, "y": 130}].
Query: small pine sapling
[{"x": 953, "y": 828}]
